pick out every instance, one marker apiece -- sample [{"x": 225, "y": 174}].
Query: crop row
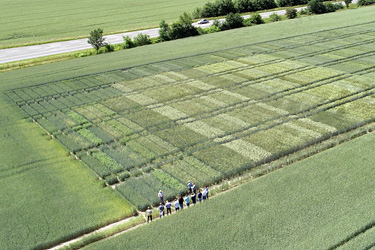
[{"x": 143, "y": 191}]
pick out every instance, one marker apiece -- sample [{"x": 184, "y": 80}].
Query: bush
[
  {"x": 275, "y": 17},
  {"x": 212, "y": 29},
  {"x": 109, "y": 48},
  {"x": 142, "y": 39},
  {"x": 329, "y": 7},
  {"x": 183, "y": 28},
  {"x": 244, "y": 5},
  {"x": 365, "y": 2},
  {"x": 256, "y": 19},
  {"x": 232, "y": 21},
  {"x": 316, "y": 7},
  {"x": 291, "y": 13},
  {"x": 225, "y": 7},
  {"x": 283, "y": 3},
  {"x": 164, "y": 31},
  {"x": 128, "y": 43}
]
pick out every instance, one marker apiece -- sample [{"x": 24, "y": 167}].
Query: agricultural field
[
  {"x": 25, "y": 22},
  {"x": 212, "y": 115},
  {"x": 323, "y": 202},
  {"x": 46, "y": 196},
  {"x": 221, "y": 101}
]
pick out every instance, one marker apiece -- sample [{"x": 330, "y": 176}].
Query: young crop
[
  {"x": 111, "y": 164},
  {"x": 90, "y": 136},
  {"x": 167, "y": 180}
]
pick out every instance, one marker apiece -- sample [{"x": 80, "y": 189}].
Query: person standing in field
[
  {"x": 206, "y": 188},
  {"x": 194, "y": 188},
  {"x": 199, "y": 196},
  {"x": 193, "y": 198},
  {"x": 204, "y": 194},
  {"x": 187, "y": 201},
  {"x": 181, "y": 202},
  {"x": 149, "y": 214},
  {"x": 161, "y": 196},
  {"x": 161, "y": 210},
  {"x": 189, "y": 186},
  {"x": 176, "y": 205},
  {"x": 168, "y": 205}
]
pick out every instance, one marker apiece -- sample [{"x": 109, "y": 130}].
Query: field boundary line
[{"x": 353, "y": 235}]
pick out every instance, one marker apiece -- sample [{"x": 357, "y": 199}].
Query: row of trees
[
  {"x": 184, "y": 27},
  {"x": 320, "y": 7},
  {"x": 224, "y": 7}
]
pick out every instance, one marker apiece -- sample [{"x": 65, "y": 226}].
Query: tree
[
  {"x": 96, "y": 39},
  {"x": 274, "y": 17},
  {"x": 164, "y": 31},
  {"x": 128, "y": 42},
  {"x": 291, "y": 13},
  {"x": 256, "y": 19},
  {"x": 316, "y": 6},
  {"x": 244, "y": 6},
  {"x": 142, "y": 39},
  {"x": 224, "y": 7},
  {"x": 232, "y": 21},
  {"x": 183, "y": 28}
]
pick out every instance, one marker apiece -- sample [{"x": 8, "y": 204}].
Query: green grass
[
  {"x": 47, "y": 196},
  {"x": 313, "y": 204},
  {"x": 71, "y": 19}
]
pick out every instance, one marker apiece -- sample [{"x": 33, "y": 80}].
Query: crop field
[
  {"x": 209, "y": 116},
  {"x": 322, "y": 202},
  {"x": 26, "y": 22}
]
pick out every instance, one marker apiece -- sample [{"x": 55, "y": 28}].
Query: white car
[{"x": 203, "y": 21}]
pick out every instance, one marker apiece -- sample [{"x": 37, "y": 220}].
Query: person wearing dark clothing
[
  {"x": 206, "y": 189},
  {"x": 181, "y": 202},
  {"x": 168, "y": 205},
  {"x": 194, "y": 188},
  {"x": 199, "y": 196},
  {"x": 149, "y": 214},
  {"x": 161, "y": 210},
  {"x": 193, "y": 198}
]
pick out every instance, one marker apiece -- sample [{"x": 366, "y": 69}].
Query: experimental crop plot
[{"x": 209, "y": 116}]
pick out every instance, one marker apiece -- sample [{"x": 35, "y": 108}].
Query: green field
[
  {"x": 316, "y": 203},
  {"x": 210, "y": 116},
  {"x": 47, "y": 196},
  {"x": 128, "y": 110},
  {"x": 26, "y": 22}
]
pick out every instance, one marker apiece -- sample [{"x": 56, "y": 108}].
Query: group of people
[{"x": 178, "y": 203}]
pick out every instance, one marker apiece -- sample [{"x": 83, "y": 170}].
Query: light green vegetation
[
  {"x": 25, "y": 22},
  {"x": 313, "y": 204},
  {"x": 213, "y": 115}
]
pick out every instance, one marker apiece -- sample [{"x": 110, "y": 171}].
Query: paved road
[{"x": 35, "y": 51}]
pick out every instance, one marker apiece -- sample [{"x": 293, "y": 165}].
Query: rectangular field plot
[{"x": 209, "y": 116}]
